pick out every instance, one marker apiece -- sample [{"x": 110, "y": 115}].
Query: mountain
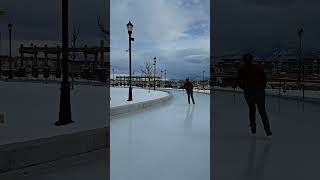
[{"x": 272, "y": 54}]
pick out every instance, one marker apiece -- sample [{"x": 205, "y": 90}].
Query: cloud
[
  {"x": 168, "y": 30},
  {"x": 264, "y": 24}
]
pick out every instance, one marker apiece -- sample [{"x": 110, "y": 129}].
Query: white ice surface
[
  {"x": 166, "y": 143},
  {"x": 170, "y": 142},
  {"x": 31, "y": 109},
  {"x": 291, "y": 153},
  {"x": 119, "y": 96}
]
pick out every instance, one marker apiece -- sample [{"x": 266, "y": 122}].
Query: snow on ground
[
  {"x": 119, "y": 96},
  {"x": 31, "y": 109}
]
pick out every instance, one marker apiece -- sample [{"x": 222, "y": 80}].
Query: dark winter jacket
[{"x": 251, "y": 77}]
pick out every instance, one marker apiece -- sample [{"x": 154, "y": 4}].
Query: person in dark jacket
[
  {"x": 188, "y": 86},
  {"x": 252, "y": 80}
]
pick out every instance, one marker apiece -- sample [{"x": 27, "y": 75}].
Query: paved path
[{"x": 292, "y": 152}]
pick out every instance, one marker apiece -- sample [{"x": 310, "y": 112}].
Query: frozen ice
[
  {"x": 165, "y": 143},
  {"x": 291, "y": 153}
]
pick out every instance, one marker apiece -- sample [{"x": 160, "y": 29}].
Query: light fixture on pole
[
  {"x": 165, "y": 78},
  {"x": 130, "y": 28},
  {"x": 154, "y": 73},
  {"x": 300, "y": 51},
  {"x": 161, "y": 78},
  {"x": 10, "y": 56},
  {"x": 203, "y": 80}
]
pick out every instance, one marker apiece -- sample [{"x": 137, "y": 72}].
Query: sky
[
  {"x": 176, "y": 32},
  {"x": 264, "y": 24},
  {"x": 39, "y": 22}
]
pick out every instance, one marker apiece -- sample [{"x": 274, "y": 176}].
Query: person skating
[
  {"x": 252, "y": 80},
  {"x": 188, "y": 86}
]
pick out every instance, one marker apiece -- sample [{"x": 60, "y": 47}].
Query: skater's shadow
[
  {"x": 255, "y": 167},
  {"x": 189, "y": 117}
]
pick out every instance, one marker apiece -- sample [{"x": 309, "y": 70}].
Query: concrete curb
[
  {"x": 18, "y": 156},
  {"x": 136, "y": 107},
  {"x": 58, "y": 165},
  {"x": 298, "y": 98}
]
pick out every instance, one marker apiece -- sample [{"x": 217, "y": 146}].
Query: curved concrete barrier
[
  {"x": 125, "y": 109},
  {"x": 46, "y": 153}
]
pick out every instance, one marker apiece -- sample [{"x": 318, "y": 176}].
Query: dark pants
[
  {"x": 190, "y": 93},
  {"x": 253, "y": 99}
]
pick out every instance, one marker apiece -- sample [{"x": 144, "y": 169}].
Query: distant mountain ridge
[{"x": 273, "y": 54}]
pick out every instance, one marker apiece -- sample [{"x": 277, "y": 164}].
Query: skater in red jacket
[
  {"x": 188, "y": 86},
  {"x": 252, "y": 80}
]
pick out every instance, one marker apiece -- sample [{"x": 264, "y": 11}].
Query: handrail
[{"x": 282, "y": 83}]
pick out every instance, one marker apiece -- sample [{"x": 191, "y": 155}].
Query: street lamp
[
  {"x": 113, "y": 77},
  {"x": 154, "y": 73},
  {"x": 161, "y": 78},
  {"x": 130, "y": 28},
  {"x": 165, "y": 78},
  {"x": 318, "y": 69},
  {"x": 300, "y": 49},
  {"x": 65, "y": 105},
  {"x": 203, "y": 79},
  {"x": 10, "y": 57}
]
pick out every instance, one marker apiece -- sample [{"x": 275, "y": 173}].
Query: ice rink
[
  {"x": 165, "y": 143},
  {"x": 291, "y": 153},
  {"x": 173, "y": 142},
  {"x": 168, "y": 142}
]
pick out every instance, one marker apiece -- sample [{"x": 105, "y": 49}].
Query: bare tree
[
  {"x": 146, "y": 69},
  {"x": 103, "y": 30},
  {"x": 74, "y": 39}
]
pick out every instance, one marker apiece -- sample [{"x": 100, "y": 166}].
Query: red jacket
[
  {"x": 251, "y": 77},
  {"x": 188, "y": 86}
]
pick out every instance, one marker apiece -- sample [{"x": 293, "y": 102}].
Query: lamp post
[
  {"x": 10, "y": 56},
  {"x": 300, "y": 49},
  {"x": 113, "y": 77},
  {"x": 161, "y": 78},
  {"x": 318, "y": 68},
  {"x": 65, "y": 105},
  {"x": 203, "y": 80},
  {"x": 154, "y": 73},
  {"x": 165, "y": 78},
  {"x": 130, "y": 28}
]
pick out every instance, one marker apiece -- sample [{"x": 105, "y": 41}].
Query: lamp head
[
  {"x": 10, "y": 26},
  {"x": 130, "y": 27}
]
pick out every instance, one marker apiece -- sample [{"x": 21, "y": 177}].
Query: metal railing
[{"x": 285, "y": 86}]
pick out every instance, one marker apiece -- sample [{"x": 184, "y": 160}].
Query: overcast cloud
[
  {"x": 176, "y": 32},
  {"x": 264, "y": 24}
]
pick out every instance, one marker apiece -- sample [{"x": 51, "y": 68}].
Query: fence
[{"x": 303, "y": 89}]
